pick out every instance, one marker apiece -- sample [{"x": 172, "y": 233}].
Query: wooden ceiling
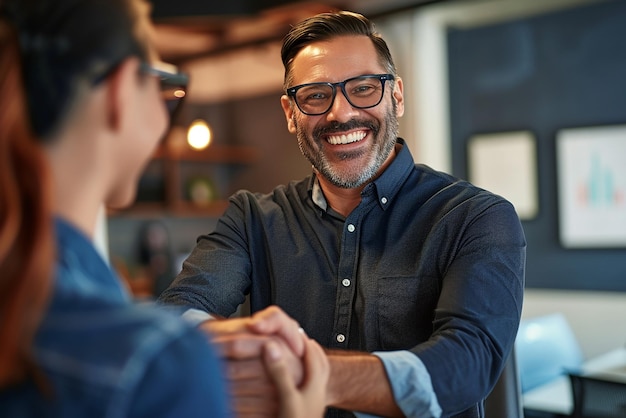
[
  {"x": 185, "y": 38},
  {"x": 191, "y": 29}
]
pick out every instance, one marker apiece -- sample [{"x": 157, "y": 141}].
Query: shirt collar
[
  {"x": 386, "y": 186},
  {"x": 389, "y": 182}
]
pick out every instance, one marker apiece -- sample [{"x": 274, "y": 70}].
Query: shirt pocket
[{"x": 406, "y": 307}]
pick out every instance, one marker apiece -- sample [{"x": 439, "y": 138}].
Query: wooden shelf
[
  {"x": 213, "y": 153},
  {"x": 181, "y": 209},
  {"x": 171, "y": 156}
]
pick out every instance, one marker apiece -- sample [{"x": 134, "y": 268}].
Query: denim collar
[{"x": 80, "y": 268}]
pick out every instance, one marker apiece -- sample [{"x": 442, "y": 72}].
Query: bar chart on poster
[
  {"x": 592, "y": 186},
  {"x": 599, "y": 189}
]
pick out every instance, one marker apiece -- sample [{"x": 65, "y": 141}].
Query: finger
[
  {"x": 273, "y": 320},
  {"x": 273, "y": 357},
  {"x": 255, "y": 407},
  {"x": 252, "y": 388},
  {"x": 317, "y": 369},
  {"x": 216, "y": 327},
  {"x": 317, "y": 365},
  {"x": 246, "y": 370},
  {"x": 293, "y": 363},
  {"x": 249, "y": 399},
  {"x": 239, "y": 346}
]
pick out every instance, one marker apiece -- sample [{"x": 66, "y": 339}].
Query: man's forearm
[{"x": 358, "y": 382}]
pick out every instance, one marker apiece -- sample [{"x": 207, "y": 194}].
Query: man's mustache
[{"x": 334, "y": 127}]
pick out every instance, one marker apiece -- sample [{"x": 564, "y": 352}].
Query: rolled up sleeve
[{"x": 410, "y": 383}]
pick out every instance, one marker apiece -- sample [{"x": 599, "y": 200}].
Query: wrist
[
  {"x": 345, "y": 368},
  {"x": 359, "y": 382},
  {"x": 332, "y": 393}
]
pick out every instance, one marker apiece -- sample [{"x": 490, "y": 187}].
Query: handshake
[{"x": 272, "y": 368}]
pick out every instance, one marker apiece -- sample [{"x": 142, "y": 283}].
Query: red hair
[{"x": 26, "y": 235}]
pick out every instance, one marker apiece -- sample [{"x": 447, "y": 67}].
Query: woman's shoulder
[{"x": 129, "y": 357}]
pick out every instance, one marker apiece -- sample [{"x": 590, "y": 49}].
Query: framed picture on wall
[
  {"x": 506, "y": 164},
  {"x": 591, "y": 177}
]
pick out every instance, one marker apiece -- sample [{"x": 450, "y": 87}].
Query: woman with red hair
[{"x": 81, "y": 112}]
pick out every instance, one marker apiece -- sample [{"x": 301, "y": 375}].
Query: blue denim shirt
[
  {"x": 103, "y": 356},
  {"x": 427, "y": 264}
]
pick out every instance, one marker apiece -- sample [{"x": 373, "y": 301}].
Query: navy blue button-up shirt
[{"x": 426, "y": 262}]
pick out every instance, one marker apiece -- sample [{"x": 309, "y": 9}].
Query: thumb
[{"x": 277, "y": 367}]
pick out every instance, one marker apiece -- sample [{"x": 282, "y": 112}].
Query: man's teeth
[{"x": 346, "y": 139}]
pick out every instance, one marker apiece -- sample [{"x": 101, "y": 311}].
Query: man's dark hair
[{"x": 327, "y": 26}]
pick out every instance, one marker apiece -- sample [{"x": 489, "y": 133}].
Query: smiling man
[
  {"x": 346, "y": 127},
  {"x": 412, "y": 279}
]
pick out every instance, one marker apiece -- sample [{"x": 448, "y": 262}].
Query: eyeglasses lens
[{"x": 173, "y": 97}]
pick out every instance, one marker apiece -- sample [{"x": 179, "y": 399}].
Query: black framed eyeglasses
[
  {"x": 362, "y": 92},
  {"x": 173, "y": 84}
]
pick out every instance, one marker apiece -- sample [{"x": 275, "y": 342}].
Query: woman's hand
[{"x": 308, "y": 399}]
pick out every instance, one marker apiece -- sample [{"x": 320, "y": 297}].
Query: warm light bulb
[{"x": 199, "y": 134}]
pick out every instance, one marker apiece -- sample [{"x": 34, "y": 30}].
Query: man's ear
[
  {"x": 287, "y": 106},
  {"x": 121, "y": 87},
  {"x": 398, "y": 96}
]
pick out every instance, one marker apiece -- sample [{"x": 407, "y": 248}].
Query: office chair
[
  {"x": 546, "y": 350},
  {"x": 505, "y": 400},
  {"x": 598, "y": 398}
]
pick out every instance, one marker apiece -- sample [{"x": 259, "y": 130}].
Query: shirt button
[
  {"x": 351, "y": 228},
  {"x": 383, "y": 200},
  {"x": 345, "y": 282},
  {"x": 341, "y": 338}
]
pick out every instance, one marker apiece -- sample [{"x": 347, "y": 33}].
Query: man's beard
[{"x": 384, "y": 142}]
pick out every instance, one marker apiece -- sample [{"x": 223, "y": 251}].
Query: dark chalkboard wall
[{"x": 560, "y": 70}]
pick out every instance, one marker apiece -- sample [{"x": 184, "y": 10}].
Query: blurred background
[{"x": 495, "y": 91}]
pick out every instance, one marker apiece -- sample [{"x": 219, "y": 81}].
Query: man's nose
[{"x": 341, "y": 109}]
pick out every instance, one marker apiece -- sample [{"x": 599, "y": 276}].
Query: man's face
[{"x": 346, "y": 145}]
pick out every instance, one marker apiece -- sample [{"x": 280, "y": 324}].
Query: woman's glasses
[{"x": 173, "y": 84}]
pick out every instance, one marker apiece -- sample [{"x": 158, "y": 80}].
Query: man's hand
[
  {"x": 271, "y": 321},
  {"x": 241, "y": 342}
]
